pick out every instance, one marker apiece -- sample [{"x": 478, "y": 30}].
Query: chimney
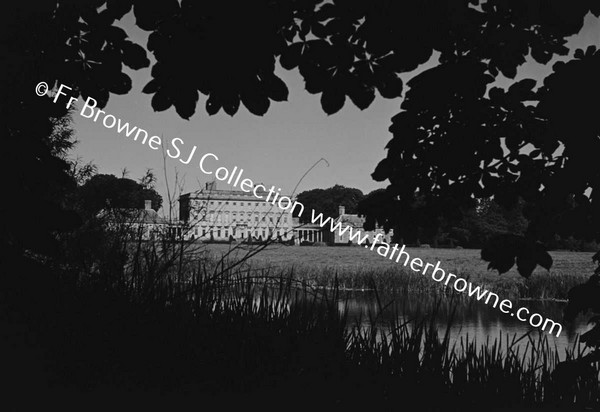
[
  {"x": 148, "y": 204},
  {"x": 210, "y": 186},
  {"x": 341, "y": 210}
]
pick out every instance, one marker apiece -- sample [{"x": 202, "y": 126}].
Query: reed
[{"x": 154, "y": 317}]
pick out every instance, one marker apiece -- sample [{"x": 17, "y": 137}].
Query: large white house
[
  {"x": 234, "y": 215},
  {"x": 214, "y": 214}
]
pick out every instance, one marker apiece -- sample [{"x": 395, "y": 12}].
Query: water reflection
[{"x": 471, "y": 318}]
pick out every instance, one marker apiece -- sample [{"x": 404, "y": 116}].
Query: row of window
[
  {"x": 225, "y": 217},
  {"x": 220, "y": 203},
  {"x": 256, "y": 233}
]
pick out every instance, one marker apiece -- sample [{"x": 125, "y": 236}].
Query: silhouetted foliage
[
  {"x": 456, "y": 139},
  {"x": 74, "y": 43},
  {"x": 449, "y": 122},
  {"x": 108, "y": 191},
  {"x": 480, "y": 224},
  {"x": 327, "y": 201},
  {"x": 503, "y": 250}
]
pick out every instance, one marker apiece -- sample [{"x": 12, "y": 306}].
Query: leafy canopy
[
  {"x": 456, "y": 139},
  {"x": 108, "y": 191},
  {"x": 328, "y": 201}
]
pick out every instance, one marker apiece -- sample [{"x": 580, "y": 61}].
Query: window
[
  {"x": 241, "y": 203},
  {"x": 264, "y": 234},
  {"x": 226, "y": 233},
  {"x": 219, "y": 233},
  {"x": 234, "y": 203},
  {"x": 271, "y": 219}
]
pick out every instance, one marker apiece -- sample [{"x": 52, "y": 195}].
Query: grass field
[{"x": 356, "y": 266}]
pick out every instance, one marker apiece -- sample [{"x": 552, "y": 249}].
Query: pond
[{"x": 471, "y": 319}]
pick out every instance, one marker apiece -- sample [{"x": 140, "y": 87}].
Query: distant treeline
[{"x": 472, "y": 230}]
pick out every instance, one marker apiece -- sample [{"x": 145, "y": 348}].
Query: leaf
[
  {"x": 149, "y": 13},
  {"x": 290, "y": 57},
  {"x": 275, "y": 88},
  {"x": 119, "y": 8},
  {"x": 496, "y": 94},
  {"x": 390, "y": 87},
  {"x": 332, "y": 100},
  {"x": 362, "y": 96},
  {"x": 326, "y": 11},
  {"x": 122, "y": 84},
  {"x": 256, "y": 103},
  {"x": 591, "y": 49},
  {"x": 212, "y": 104},
  {"x": 591, "y": 337},
  {"x": 134, "y": 55},
  {"x": 185, "y": 105},
  {"x": 489, "y": 182},
  {"x": 522, "y": 90},
  {"x": 526, "y": 264},
  {"x": 161, "y": 101},
  {"x": 382, "y": 171},
  {"x": 150, "y": 87},
  {"x": 535, "y": 153},
  {"x": 115, "y": 34},
  {"x": 501, "y": 251},
  {"x": 232, "y": 105},
  {"x": 542, "y": 257}
]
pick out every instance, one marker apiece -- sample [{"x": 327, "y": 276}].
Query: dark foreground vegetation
[
  {"x": 149, "y": 323},
  {"x": 89, "y": 315}
]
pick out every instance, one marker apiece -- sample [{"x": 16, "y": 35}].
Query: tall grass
[
  {"x": 159, "y": 317},
  {"x": 398, "y": 280}
]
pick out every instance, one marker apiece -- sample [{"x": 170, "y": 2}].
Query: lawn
[{"x": 355, "y": 266}]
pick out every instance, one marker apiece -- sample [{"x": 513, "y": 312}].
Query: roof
[{"x": 218, "y": 194}]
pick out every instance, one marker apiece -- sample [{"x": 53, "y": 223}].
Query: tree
[
  {"x": 102, "y": 191},
  {"x": 457, "y": 139},
  {"x": 327, "y": 201},
  {"x": 66, "y": 42},
  {"x": 487, "y": 220}
]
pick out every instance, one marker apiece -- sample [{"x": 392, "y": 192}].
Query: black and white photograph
[{"x": 336, "y": 205}]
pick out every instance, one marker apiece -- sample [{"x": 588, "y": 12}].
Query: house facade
[
  {"x": 214, "y": 214},
  {"x": 144, "y": 224},
  {"x": 222, "y": 215},
  {"x": 356, "y": 223}
]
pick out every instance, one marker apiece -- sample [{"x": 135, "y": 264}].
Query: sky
[{"x": 275, "y": 149}]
